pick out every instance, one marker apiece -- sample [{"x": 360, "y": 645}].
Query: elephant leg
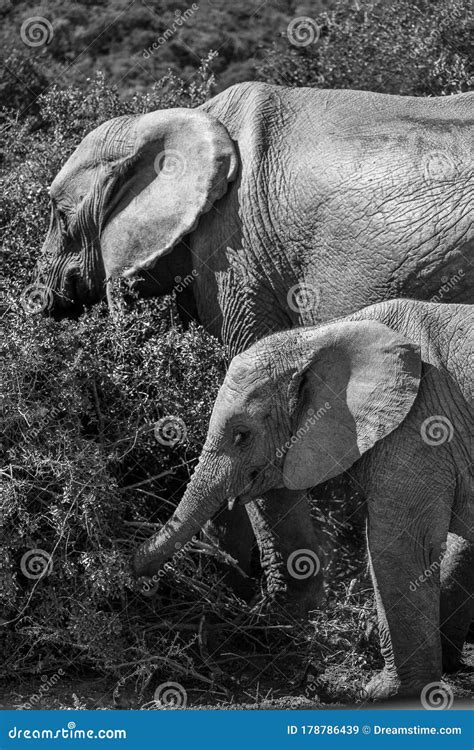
[
  {"x": 457, "y": 599},
  {"x": 231, "y": 531},
  {"x": 407, "y": 600},
  {"x": 288, "y": 549}
]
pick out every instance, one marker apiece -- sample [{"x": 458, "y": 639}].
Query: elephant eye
[
  {"x": 65, "y": 219},
  {"x": 241, "y": 438},
  {"x": 61, "y": 219}
]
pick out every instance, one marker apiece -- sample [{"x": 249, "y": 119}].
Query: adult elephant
[{"x": 286, "y": 207}]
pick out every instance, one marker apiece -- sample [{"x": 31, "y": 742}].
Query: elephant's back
[
  {"x": 444, "y": 333},
  {"x": 339, "y": 110}
]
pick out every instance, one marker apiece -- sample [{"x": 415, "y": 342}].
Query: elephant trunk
[{"x": 198, "y": 505}]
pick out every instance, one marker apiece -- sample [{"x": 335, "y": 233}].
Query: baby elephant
[{"x": 387, "y": 391}]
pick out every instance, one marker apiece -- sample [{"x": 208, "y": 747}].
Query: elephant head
[
  {"x": 134, "y": 187},
  {"x": 295, "y": 409}
]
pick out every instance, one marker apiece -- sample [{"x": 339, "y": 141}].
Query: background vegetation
[{"x": 85, "y": 478}]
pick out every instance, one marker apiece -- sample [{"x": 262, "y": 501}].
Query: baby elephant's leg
[
  {"x": 408, "y": 622},
  {"x": 407, "y": 531},
  {"x": 406, "y": 584},
  {"x": 457, "y": 599}
]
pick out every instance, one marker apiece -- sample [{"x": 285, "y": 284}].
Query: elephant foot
[
  {"x": 385, "y": 685},
  {"x": 382, "y": 686}
]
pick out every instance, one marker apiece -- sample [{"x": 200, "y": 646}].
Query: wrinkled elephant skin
[
  {"x": 387, "y": 393},
  {"x": 281, "y": 207}
]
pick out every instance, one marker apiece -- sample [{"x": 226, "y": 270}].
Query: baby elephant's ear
[{"x": 355, "y": 384}]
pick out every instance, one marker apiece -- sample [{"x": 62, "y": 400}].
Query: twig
[
  {"x": 218, "y": 626},
  {"x": 169, "y": 663},
  {"x": 215, "y": 551},
  {"x": 147, "y": 481},
  {"x": 97, "y": 408}
]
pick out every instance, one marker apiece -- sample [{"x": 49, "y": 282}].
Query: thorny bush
[{"x": 85, "y": 479}]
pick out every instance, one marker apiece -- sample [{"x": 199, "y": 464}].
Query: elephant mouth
[
  {"x": 238, "y": 500},
  {"x": 254, "y": 488}
]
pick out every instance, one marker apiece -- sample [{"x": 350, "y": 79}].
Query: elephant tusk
[
  {"x": 231, "y": 502},
  {"x": 237, "y": 499}
]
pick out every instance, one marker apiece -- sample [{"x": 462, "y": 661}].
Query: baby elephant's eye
[{"x": 241, "y": 437}]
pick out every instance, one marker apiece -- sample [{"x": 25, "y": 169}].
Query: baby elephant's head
[{"x": 295, "y": 409}]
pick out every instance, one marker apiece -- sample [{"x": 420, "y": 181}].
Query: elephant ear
[
  {"x": 180, "y": 165},
  {"x": 355, "y": 384}
]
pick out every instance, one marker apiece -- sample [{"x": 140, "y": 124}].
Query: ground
[{"x": 335, "y": 688}]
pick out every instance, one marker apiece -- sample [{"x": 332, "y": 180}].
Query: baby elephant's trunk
[{"x": 198, "y": 505}]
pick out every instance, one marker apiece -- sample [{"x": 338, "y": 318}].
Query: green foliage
[
  {"x": 409, "y": 47},
  {"x": 21, "y": 82},
  {"x": 415, "y": 47},
  {"x": 81, "y": 399},
  {"x": 115, "y": 36},
  {"x": 88, "y": 477}
]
